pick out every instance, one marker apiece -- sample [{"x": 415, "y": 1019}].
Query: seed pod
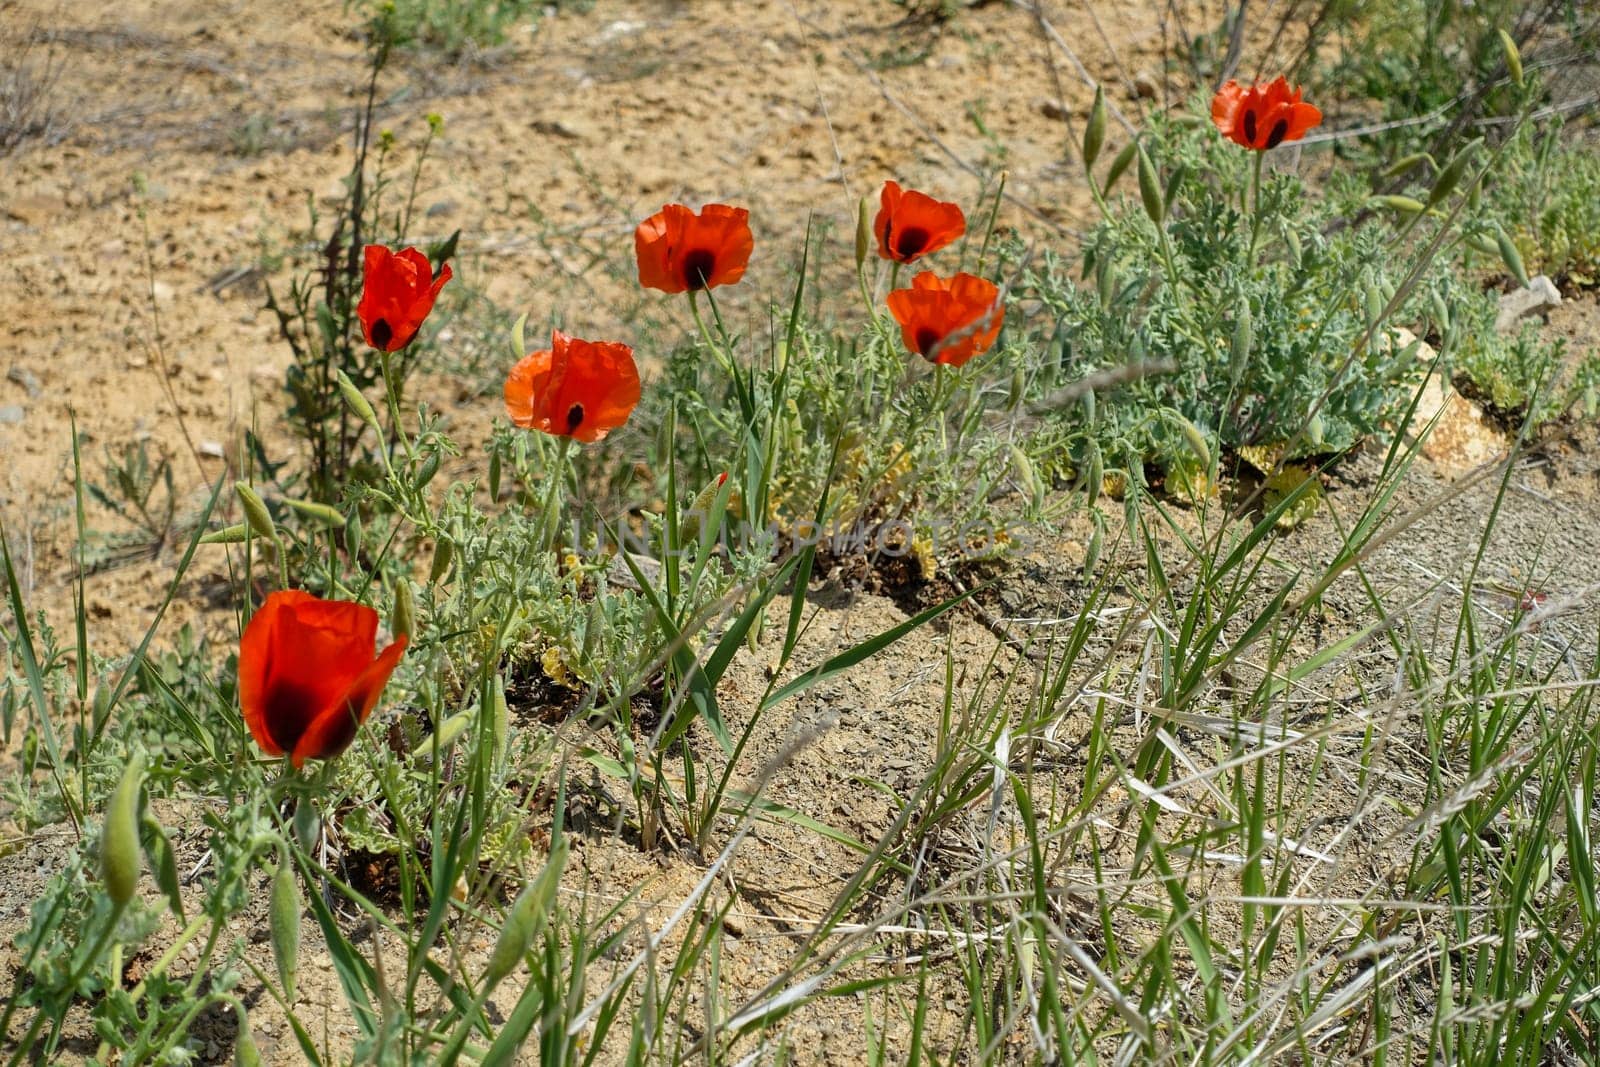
[
  {"x": 1513, "y": 58},
  {"x": 255, "y": 511},
  {"x": 404, "y": 618},
  {"x": 1120, "y": 164},
  {"x": 228, "y": 535},
  {"x": 1478, "y": 242},
  {"x": 283, "y": 921},
  {"x": 1511, "y": 258},
  {"x": 1405, "y": 205},
  {"x": 119, "y": 835},
  {"x": 319, "y": 513},
  {"x": 863, "y": 234},
  {"x": 1450, "y": 176},
  {"x": 1094, "y": 132},
  {"x": 245, "y": 1052},
  {"x": 1150, "y": 188},
  {"x": 1027, "y": 475},
  {"x": 1441, "y": 311},
  {"x": 443, "y": 553},
  {"x": 356, "y": 400}
]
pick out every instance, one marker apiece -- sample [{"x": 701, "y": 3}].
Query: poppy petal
[{"x": 331, "y": 732}]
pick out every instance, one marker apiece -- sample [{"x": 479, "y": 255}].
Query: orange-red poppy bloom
[
  {"x": 582, "y": 389},
  {"x": 948, "y": 320},
  {"x": 911, "y": 224},
  {"x": 680, "y": 251},
  {"x": 397, "y": 292},
  {"x": 1262, "y": 116},
  {"x": 309, "y": 674}
]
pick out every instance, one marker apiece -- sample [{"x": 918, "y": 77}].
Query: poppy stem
[
  {"x": 395, "y": 426},
  {"x": 552, "y": 498},
  {"x": 1255, "y": 214}
]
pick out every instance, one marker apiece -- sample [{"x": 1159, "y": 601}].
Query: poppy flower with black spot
[
  {"x": 948, "y": 320},
  {"x": 574, "y": 388},
  {"x": 309, "y": 674},
  {"x": 911, "y": 225},
  {"x": 1262, "y": 117},
  {"x": 397, "y": 292},
  {"x": 679, "y": 251}
]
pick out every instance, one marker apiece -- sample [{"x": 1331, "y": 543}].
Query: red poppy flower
[
  {"x": 582, "y": 389},
  {"x": 680, "y": 251},
  {"x": 308, "y": 676},
  {"x": 948, "y": 321},
  {"x": 397, "y": 292},
  {"x": 1262, "y": 116},
  {"x": 911, "y": 224}
]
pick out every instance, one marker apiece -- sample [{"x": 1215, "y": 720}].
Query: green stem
[
  {"x": 552, "y": 498},
  {"x": 1255, "y": 214}
]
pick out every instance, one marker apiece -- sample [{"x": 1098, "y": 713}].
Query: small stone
[
  {"x": 265, "y": 373},
  {"x": 1540, "y": 293},
  {"x": 32, "y": 210},
  {"x": 442, "y": 209},
  {"x": 1145, "y": 86},
  {"x": 1055, "y": 109},
  {"x": 11, "y": 414},
  {"x": 211, "y": 449},
  {"x": 162, "y": 292},
  {"x": 25, "y": 378}
]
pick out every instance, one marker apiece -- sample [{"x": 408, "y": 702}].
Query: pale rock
[
  {"x": 1538, "y": 294},
  {"x": 1463, "y": 438},
  {"x": 162, "y": 291}
]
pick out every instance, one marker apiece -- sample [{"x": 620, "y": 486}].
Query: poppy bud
[
  {"x": 1404, "y": 163},
  {"x": 1027, "y": 475},
  {"x": 425, "y": 473},
  {"x": 163, "y": 862},
  {"x": 1096, "y": 475},
  {"x": 1513, "y": 58},
  {"x": 255, "y": 511},
  {"x": 307, "y": 825},
  {"x": 443, "y": 553},
  {"x": 319, "y": 513},
  {"x": 518, "y": 343},
  {"x": 1019, "y": 390},
  {"x": 692, "y": 525},
  {"x": 1450, "y": 176},
  {"x": 357, "y": 401},
  {"x": 245, "y": 1052},
  {"x": 1314, "y": 431},
  {"x": 1511, "y": 258},
  {"x": 403, "y": 620},
  {"x": 863, "y": 234},
  {"x": 1196, "y": 441},
  {"x": 1088, "y": 406},
  {"x": 1375, "y": 303},
  {"x": 1478, "y": 242},
  {"x": 1243, "y": 336},
  {"x": 1292, "y": 239},
  {"x": 525, "y": 919},
  {"x": 1094, "y": 131},
  {"x": 354, "y": 534},
  {"x": 1441, "y": 311},
  {"x": 450, "y": 731},
  {"x": 1120, "y": 164},
  {"x": 1179, "y": 173},
  {"x": 499, "y": 718},
  {"x": 228, "y": 535},
  {"x": 494, "y": 475},
  {"x": 119, "y": 835},
  {"x": 283, "y": 921},
  {"x": 1405, "y": 205},
  {"x": 1150, "y": 188},
  {"x": 1091, "y": 555}
]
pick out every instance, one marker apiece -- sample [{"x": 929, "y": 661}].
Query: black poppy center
[
  {"x": 574, "y": 418},
  {"x": 911, "y": 241},
  {"x": 1250, "y": 126},
  {"x": 381, "y": 333},
  {"x": 927, "y": 340},
  {"x": 697, "y": 268},
  {"x": 1279, "y": 128}
]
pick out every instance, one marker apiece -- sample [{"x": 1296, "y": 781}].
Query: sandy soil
[{"x": 141, "y": 314}]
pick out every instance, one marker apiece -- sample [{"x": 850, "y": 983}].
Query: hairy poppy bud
[
  {"x": 1405, "y": 205},
  {"x": 317, "y": 513},
  {"x": 425, "y": 473},
  {"x": 1091, "y": 555},
  {"x": 163, "y": 862},
  {"x": 119, "y": 835},
  {"x": 255, "y": 511},
  {"x": 283, "y": 921},
  {"x": 494, "y": 474},
  {"x": 443, "y": 553},
  {"x": 1120, "y": 164},
  {"x": 1096, "y": 475},
  {"x": 356, "y": 400},
  {"x": 1513, "y": 58},
  {"x": 245, "y": 1052},
  {"x": 1404, "y": 163},
  {"x": 525, "y": 919},
  {"x": 228, "y": 535},
  {"x": 1450, "y": 176},
  {"x": 1094, "y": 131},
  {"x": 1511, "y": 258},
  {"x": 1243, "y": 335},
  {"x": 403, "y": 619},
  {"x": 1150, "y": 188},
  {"x": 1196, "y": 440}
]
